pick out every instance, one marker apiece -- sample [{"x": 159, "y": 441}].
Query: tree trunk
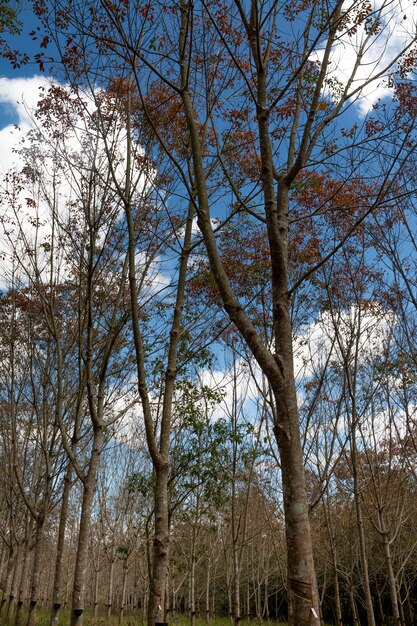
[
  {"x": 248, "y": 601},
  {"x": 236, "y": 580},
  {"x": 353, "y": 607},
  {"x": 391, "y": 576},
  {"x": 401, "y": 610},
  {"x": 337, "y": 604},
  {"x": 10, "y": 602},
  {"x": 110, "y": 589},
  {"x": 362, "y": 548},
  {"x": 58, "y": 575},
  {"x": 36, "y": 571},
  {"x": 160, "y": 547},
  {"x": 78, "y": 593},
  {"x": 207, "y": 591},
  {"x": 124, "y": 588},
  {"x": 338, "y": 608},
  {"x": 2, "y": 558},
  {"x": 22, "y": 584},
  {"x": 392, "y": 582},
  {"x": 96, "y": 581},
  {"x": 301, "y": 577},
  {"x": 191, "y": 595},
  {"x": 380, "y": 607},
  {"x": 9, "y": 575}
]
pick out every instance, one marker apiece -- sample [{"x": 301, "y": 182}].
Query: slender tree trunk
[
  {"x": 207, "y": 590},
  {"x": 145, "y": 596},
  {"x": 110, "y": 589},
  {"x": 9, "y": 576},
  {"x": 333, "y": 551},
  {"x": 236, "y": 584},
  {"x": 265, "y": 611},
  {"x": 391, "y": 576},
  {"x": 67, "y": 582},
  {"x": 96, "y": 582},
  {"x": 230, "y": 601},
  {"x": 174, "y": 600},
  {"x": 10, "y": 602},
  {"x": 248, "y": 601},
  {"x": 3, "y": 559},
  {"x": 23, "y": 584},
  {"x": 124, "y": 588},
  {"x": 401, "y": 610},
  {"x": 167, "y": 597},
  {"x": 392, "y": 582},
  {"x": 353, "y": 607},
  {"x": 80, "y": 572},
  {"x": 337, "y": 604},
  {"x": 160, "y": 547},
  {"x": 409, "y": 604},
  {"x": 301, "y": 574},
  {"x": 159, "y": 453},
  {"x": 191, "y": 595},
  {"x": 36, "y": 571},
  {"x": 364, "y": 562},
  {"x": 362, "y": 540},
  {"x": 58, "y": 574}
]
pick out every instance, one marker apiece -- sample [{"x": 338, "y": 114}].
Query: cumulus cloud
[
  {"x": 18, "y": 99},
  {"x": 364, "y": 52},
  {"x": 329, "y": 336},
  {"x": 62, "y": 164},
  {"x": 239, "y": 384}
]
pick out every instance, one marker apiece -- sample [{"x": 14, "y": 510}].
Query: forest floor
[{"x": 43, "y": 619}]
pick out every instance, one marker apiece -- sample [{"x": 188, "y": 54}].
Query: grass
[{"x": 179, "y": 619}]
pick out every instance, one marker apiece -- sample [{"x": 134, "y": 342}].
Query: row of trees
[
  {"x": 227, "y": 542},
  {"x": 199, "y": 187}
]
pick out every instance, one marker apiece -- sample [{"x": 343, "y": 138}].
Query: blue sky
[{"x": 19, "y": 86}]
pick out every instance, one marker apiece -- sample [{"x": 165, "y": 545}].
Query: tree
[{"x": 242, "y": 111}]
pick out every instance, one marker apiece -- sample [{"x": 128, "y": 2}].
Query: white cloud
[
  {"x": 150, "y": 276},
  {"x": 18, "y": 99},
  {"x": 328, "y": 336},
  {"x": 240, "y": 385},
  {"x": 74, "y": 154},
  {"x": 125, "y": 415},
  {"x": 371, "y": 52}
]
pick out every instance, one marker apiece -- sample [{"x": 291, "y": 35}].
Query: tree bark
[
  {"x": 333, "y": 551},
  {"x": 36, "y": 571},
  {"x": 353, "y": 607},
  {"x": 207, "y": 591},
  {"x": 58, "y": 574},
  {"x": 80, "y": 572},
  {"x": 23, "y": 581},
  {"x": 110, "y": 589},
  {"x": 390, "y": 570},
  {"x": 160, "y": 547},
  {"x": 96, "y": 581},
  {"x": 362, "y": 540},
  {"x": 9, "y": 575},
  {"x": 124, "y": 588},
  {"x": 12, "y": 593}
]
